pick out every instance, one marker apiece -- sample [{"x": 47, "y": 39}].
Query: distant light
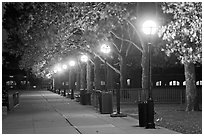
[
  {"x": 84, "y": 58},
  {"x": 105, "y": 48},
  {"x": 149, "y": 27},
  {"x": 11, "y": 76},
  {"x": 57, "y": 68},
  {"x": 64, "y": 66},
  {"x": 34, "y": 86},
  {"x": 72, "y": 63}
]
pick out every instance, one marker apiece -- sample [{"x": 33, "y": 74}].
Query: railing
[
  {"x": 169, "y": 95},
  {"x": 127, "y": 95},
  {"x": 160, "y": 95}
]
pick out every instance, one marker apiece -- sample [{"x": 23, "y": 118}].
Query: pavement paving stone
[
  {"x": 44, "y": 112},
  {"x": 56, "y": 130},
  {"x": 18, "y": 125},
  {"x": 18, "y": 131},
  {"x": 100, "y": 129},
  {"x": 49, "y": 123}
]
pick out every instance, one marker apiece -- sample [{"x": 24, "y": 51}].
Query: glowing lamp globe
[
  {"x": 105, "y": 49},
  {"x": 84, "y": 58},
  {"x": 72, "y": 63},
  {"x": 64, "y": 66},
  {"x": 149, "y": 27}
]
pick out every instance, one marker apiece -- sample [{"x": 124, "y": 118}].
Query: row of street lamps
[
  {"x": 149, "y": 28},
  {"x": 84, "y": 58},
  {"x": 59, "y": 68}
]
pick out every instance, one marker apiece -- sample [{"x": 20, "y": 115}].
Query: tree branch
[
  {"x": 117, "y": 50},
  {"x": 116, "y": 70},
  {"x": 126, "y": 41},
  {"x": 92, "y": 52},
  {"x": 129, "y": 43},
  {"x": 140, "y": 38}
]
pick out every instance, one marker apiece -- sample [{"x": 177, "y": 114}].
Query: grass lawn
[{"x": 172, "y": 116}]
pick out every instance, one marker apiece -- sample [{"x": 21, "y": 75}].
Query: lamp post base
[
  {"x": 116, "y": 114},
  {"x": 150, "y": 126}
]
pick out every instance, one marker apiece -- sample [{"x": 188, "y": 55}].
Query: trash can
[
  {"x": 142, "y": 111},
  {"x": 85, "y": 97},
  {"x": 105, "y": 102}
]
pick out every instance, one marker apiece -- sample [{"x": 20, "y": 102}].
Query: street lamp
[
  {"x": 64, "y": 66},
  {"x": 72, "y": 63},
  {"x": 84, "y": 58},
  {"x": 149, "y": 28}
]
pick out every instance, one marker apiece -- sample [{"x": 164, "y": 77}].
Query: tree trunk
[
  {"x": 97, "y": 77},
  {"x": 123, "y": 70},
  {"x": 88, "y": 77},
  {"x": 70, "y": 79},
  {"x": 78, "y": 80},
  {"x": 97, "y": 81},
  {"x": 82, "y": 77},
  {"x": 110, "y": 81},
  {"x": 190, "y": 86}
]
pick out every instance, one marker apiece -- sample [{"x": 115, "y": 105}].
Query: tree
[
  {"x": 183, "y": 37},
  {"x": 51, "y": 31}
]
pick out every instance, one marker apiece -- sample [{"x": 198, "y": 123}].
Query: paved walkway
[{"x": 44, "y": 112}]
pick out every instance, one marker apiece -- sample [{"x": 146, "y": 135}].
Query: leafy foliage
[
  {"x": 183, "y": 34},
  {"x": 53, "y": 30}
]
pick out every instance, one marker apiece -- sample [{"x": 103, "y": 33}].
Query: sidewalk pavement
[{"x": 44, "y": 112}]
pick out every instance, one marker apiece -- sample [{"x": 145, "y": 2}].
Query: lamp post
[{"x": 149, "y": 28}]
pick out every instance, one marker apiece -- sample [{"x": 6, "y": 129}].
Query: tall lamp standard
[{"x": 149, "y": 28}]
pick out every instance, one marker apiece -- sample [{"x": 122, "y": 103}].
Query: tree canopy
[
  {"x": 183, "y": 33},
  {"x": 53, "y": 30}
]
